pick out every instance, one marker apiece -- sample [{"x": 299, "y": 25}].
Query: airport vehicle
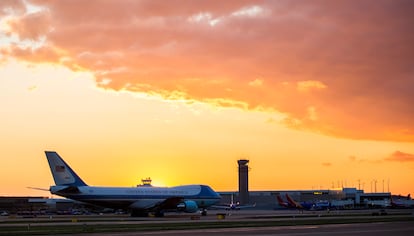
[
  {"x": 291, "y": 203},
  {"x": 233, "y": 205},
  {"x": 140, "y": 200}
]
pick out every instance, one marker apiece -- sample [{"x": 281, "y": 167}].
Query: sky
[{"x": 316, "y": 94}]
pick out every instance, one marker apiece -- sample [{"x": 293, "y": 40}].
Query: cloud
[
  {"x": 352, "y": 158},
  {"x": 31, "y": 26},
  {"x": 310, "y": 84},
  {"x": 358, "y": 160},
  {"x": 330, "y": 66},
  {"x": 327, "y": 164},
  {"x": 11, "y": 6},
  {"x": 256, "y": 83},
  {"x": 32, "y": 88},
  {"x": 400, "y": 157}
]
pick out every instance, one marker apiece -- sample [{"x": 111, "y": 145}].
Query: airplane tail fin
[
  {"x": 62, "y": 173},
  {"x": 280, "y": 201},
  {"x": 293, "y": 202}
]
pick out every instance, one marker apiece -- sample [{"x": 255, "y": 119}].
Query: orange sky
[{"x": 317, "y": 94}]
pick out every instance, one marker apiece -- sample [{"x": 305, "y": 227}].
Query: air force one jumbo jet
[{"x": 140, "y": 200}]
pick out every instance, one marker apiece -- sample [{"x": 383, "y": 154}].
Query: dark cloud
[
  {"x": 257, "y": 53},
  {"x": 400, "y": 157}
]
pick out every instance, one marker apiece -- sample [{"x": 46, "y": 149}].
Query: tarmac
[
  {"x": 377, "y": 229},
  {"x": 240, "y": 222}
]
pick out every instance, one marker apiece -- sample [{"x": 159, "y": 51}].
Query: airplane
[
  {"x": 402, "y": 202},
  {"x": 141, "y": 200},
  {"x": 302, "y": 205},
  {"x": 233, "y": 206}
]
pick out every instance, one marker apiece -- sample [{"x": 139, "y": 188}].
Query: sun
[{"x": 158, "y": 183}]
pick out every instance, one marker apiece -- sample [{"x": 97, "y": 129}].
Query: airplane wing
[
  {"x": 174, "y": 203},
  {"x": 224, "y": 207},
  {"x": 246, "y": 206},
  {"x": 232, "y": 207},
  {"x": 168, "y": 204}
]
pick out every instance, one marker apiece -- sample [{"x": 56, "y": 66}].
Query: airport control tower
[{"x": 243, "y": 181}]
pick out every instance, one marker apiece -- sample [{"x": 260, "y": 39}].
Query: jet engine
[{"x": 188, "y": 206}]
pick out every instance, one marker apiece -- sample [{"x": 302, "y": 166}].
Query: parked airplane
[
  {"x": 140, "y": 200},
  {"x": 401, "y": 202},
  {"x": 233, "y": 206},
  {"x": 302, "y": 205}
]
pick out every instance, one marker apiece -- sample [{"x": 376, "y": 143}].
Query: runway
[
  {"x": 248, "y": 222},
  {"x": 377, "y": 229}
]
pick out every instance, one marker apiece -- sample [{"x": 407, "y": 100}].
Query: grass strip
[{"x": 33, "y": 229}]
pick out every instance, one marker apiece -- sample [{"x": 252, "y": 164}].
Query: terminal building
[
  {"x": 36, "y": 205},
  {"x": 345, "y": 198},
  {"x": 339, "y": 198}
]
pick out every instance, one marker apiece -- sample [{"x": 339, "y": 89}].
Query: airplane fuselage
[{"x": 138, "y": 197}]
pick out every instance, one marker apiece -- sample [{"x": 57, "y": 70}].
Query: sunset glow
[{"x": 316, "y": 94}]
